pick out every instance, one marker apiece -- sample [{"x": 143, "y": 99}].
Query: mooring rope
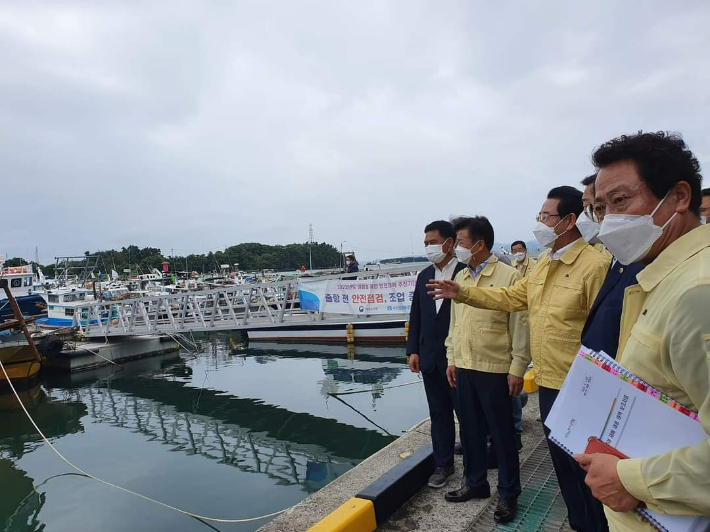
[
  {"x": 101, "y": 356},
  {"x": 191, "y": 346},
  {"x": 336, "y": 394},
  {"x": 126, "y": 490}
]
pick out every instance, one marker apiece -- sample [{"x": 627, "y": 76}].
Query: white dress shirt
[
  {"x": 447, "y": 272},
  {"x": 557, "y": 254}
]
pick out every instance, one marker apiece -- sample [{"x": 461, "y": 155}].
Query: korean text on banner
[{"x": 368, "y": 296}]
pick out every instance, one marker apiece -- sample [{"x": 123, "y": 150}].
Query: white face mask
[
  {"x": 589, "y": 228},
  {"x": 464, "y": 254},
  {"x": 435, "y": 253},
  {"x": 520, "y": 256},
  {"x": 629, "y": 237},
  {"x": 545, "y": 234},
  {"x": 703, "y": 220}
]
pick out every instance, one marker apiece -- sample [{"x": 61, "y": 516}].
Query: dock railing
[{"x": 247, "y": 306}]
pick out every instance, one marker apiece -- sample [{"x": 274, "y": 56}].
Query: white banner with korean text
[{"x": 366, "y": 296}]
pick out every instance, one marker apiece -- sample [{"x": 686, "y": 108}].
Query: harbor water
[{"x": 229, "y": 431}]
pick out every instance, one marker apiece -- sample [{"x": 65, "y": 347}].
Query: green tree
[{"x": 250, "y": 256}]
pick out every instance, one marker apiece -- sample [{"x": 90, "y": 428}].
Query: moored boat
[
  {"x": 21, "y": 282},
  {"x": 62, "y": 305},
  {"x": 19, "y": 361}
]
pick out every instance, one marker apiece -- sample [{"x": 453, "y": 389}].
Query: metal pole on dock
[
  {"x": 19, "y": 317},
  {"x": 310, "y": 246}
]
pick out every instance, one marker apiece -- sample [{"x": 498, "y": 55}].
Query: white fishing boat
[
  {"x": 62, "y": 306},
  {"x": 21, "y": 280}
]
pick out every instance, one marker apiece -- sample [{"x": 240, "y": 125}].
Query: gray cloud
[{"x": 191, "y": 125}]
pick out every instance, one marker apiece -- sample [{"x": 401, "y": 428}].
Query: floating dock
[{"x": 84, "y": 355}]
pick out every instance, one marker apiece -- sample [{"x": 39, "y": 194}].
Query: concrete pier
[
  {"x": 92, "y": 354},
  {"x": 427, "y": 510}
]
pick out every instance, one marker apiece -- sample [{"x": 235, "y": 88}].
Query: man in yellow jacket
[
  {"x": 524, "y": 264},
  {"x": 558, "y": 293},
  {"x": 487, "y": 353},
  {"x": 650, "y": 185},
  {"x": 521, "y": 261}
]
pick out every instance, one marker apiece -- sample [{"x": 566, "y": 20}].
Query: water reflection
[
  {"x": 18, "y": 436},
  {"x": 262, "y": 411},
  {"x": 20, "y": 504}
]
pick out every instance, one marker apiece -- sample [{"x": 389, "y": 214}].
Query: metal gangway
[{"x": 236, "y": 307}]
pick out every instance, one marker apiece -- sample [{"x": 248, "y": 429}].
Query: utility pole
[{"x": 310, "y": 245}]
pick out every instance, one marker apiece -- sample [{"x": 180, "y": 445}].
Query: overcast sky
[{"x": 195, "y": 125}]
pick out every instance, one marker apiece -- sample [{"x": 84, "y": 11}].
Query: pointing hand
[{"x": 443, "y": 289}]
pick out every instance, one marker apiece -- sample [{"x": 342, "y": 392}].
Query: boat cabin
[
  {"x": 20, "y": 280},
  {"x": 62, "y": 305}
]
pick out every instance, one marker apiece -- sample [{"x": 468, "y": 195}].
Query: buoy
[
  {"x": 350, "y": 333},
  {"x": 406, "y": 331}
]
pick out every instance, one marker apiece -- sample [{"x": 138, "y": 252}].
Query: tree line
[{"x": 249, "y": 256}]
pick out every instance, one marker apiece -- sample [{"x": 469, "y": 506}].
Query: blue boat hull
[
  {"x": 64, "y": 322},
  {"x": 32, "y": 305}
]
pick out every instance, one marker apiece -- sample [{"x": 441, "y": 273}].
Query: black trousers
[
  {"x": 442, "y": 403},
  {"x": 585, "y": 512},
  {"x": 484, "y": 402}
]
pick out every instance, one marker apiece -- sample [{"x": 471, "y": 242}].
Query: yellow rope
[{"x": 107, "y": 483}]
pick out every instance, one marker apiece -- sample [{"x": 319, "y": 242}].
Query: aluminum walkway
[{"x": 239, "y": 307}]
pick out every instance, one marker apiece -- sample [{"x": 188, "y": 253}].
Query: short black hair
[
  {"x": 570, "y": 201},
  {"x": 478, "y": 227},
  {"x": 662, "y": 160},
  {"x": 445, "y": 229},
  {"x": 518, "y": 243},
  {"x": 706, "y": 192},
  {"x": 589, "y": 180}
]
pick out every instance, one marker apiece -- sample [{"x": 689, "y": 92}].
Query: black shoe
[
  {"x": 464, "y": 493},
  {"x": 458, "y": 449},
  {"x": 491, "y": 458},
  {"x": 505, "y": 511},
  {"x": 519, "y": 440},
  {"x": 440, "y": 477}
]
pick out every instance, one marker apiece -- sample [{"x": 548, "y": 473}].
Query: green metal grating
[{"x": 540, "y": 505}]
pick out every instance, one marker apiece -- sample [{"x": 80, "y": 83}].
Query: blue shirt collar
[{"x": 475, "y": 272}]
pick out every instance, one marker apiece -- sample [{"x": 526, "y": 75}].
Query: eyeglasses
[
  {"x": 543, "y": 217},
  {"x": 595, "y": 212}
]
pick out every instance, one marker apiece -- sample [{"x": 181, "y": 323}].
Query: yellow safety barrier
[
  {"x": 356, "y": 515},
  {"x": 529, "y": 384}
]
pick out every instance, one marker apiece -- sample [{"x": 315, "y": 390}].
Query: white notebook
[{"x": 601, "y": 398}]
